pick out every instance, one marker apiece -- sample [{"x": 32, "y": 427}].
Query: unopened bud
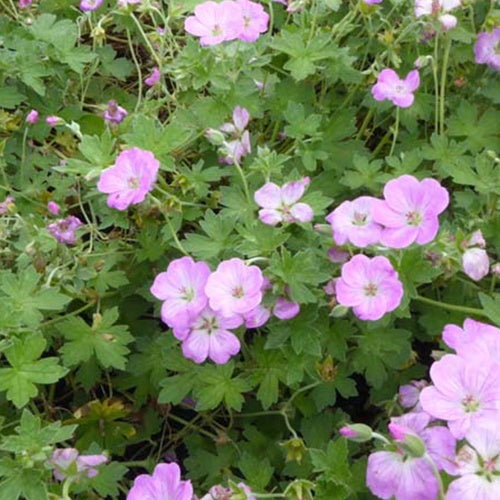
[
  {"x": 339, "y": 311},
  {"x": 215, "y": 137},
  {"x": 360, "y": 433}
]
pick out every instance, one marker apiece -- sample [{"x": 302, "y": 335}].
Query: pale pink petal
[{"x": 302, "y": 212}]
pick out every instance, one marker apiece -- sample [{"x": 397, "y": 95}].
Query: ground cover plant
[{"x": 249, "y": 249}]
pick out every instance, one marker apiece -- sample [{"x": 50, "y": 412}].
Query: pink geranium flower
[
  {"x": 352, "y": 222},
  {"x": 114, "y": 113},
  {"x": 409, "y": 394},
  {"x": 63, "y": 230},
  {"x": 410, "y": 211},
  {"x": 164, "y": 484},
  {"x": 90, "y": 4},
  {"x": 478, "y": 464},
  {"x": 24, "y": 4},
  {"x": 130, "y": 179},
  {"x": 486, "y": 49},
  {"x": 68, "y": 462},
  {"x": 32, "y": 117},
  {"x": 285, "y": 309},
  {"x": 475, "y": 263},
  {"x": 239, "y": 146},
  {"x": 464, "y": 394},
  {"x": 473, "y": 332},
  {"x": 53, "y": 208},
  {"x": 208, "y": 336},
  {"x": 255, "y": 20},
  {"x": 257, "y": 317},
  {"x": 182, "y": 288},
  {"x": 53, "y": 120},
  {"x": 282, "y": 204},
  {"x": 399, "y": 92},
  {"x": 215, "y": 22},
  {"x": 234, "y": 288},
  {"x": 438, "y": 9},
  {"x": 370, "y": 286},
  {"x": 153, "y": 78}
]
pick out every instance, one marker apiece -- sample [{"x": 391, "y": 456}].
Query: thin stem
[
  {"x": 65, "y": 489},
  {"x": 380, "y": 437},
  {"x": 441, "y": 495},
  {"x": 148, "y": 43},
  {"x": 382, "y": 143},
  {"x": 444, "y": 72},
  {"x": 23, "y": 155},
  {"x": 243, "y": 180},
  {"x": 436, "y": 83},
  {"x": 452, "y": 307},
  {"x": 365, "y": 123},
  {"x": 138, "y": 69},
  {"x": 396, "y": 131}
]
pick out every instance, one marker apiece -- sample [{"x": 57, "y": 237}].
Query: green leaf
[
  {"x": 491, "y": 306},
  {"x": 332, "y": 463},
  {"x": 26, "y": 369},
  {"x": 104, "y": 340},
  {"x": 257, "y": 471},
  {"x": 10, "y": 97}
]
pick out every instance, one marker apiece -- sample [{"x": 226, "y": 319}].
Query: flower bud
[
  {"x": 300, "y": 489},
  {"x": 495, "y": 269},
  {"x": 407, "y": 439},
  {"x": 447, "y": 21},
  {"x": 475, "y": 263},
  {"x": 359, "y": 433},
  {"x": 215, "y": 137},
  {"x": 295, "y": 448},
  {"x": 339, "y": 311}
]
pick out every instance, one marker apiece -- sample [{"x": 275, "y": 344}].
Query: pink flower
[
  {"x": 32, "y": 116},
  {"x": 410, "y": 211},
  {"x": 464, "y": 394},
  {"x": 208, "y": 336},
  {"x": 285, "y": 309},
  {"x": 68, "y": 461},
  {"x": 114, "y": 113},
  {"x": 352, "y": 222},
  {"x": 370, "y": 286},
  {"x": 165, "y": 483},
  {"x": 24, "y": 4},
  {"x": 476, "y": 240},
  {"x": 393, "y": 474},
  {"x": 130, "y": 179},
  {"x": 475, "y": 263},
  {"x": 281, "y": 204},
  {"x": 495, "y": 269},
  {"x": 478, "y": 464},
  {"x": 53, "y": 120},
  {"x": 6, "y": 205},
  {"x": 409, "y": 394},
  {"x": 337, "y": 255},
  {"x": 90, "y": 4},
  {"x": 63, "y": 230},
  {"x": 215, "y": 22},
  {"x": 399, "y": 92},
  {"x": 240, "y": 146},
  {"x": 182, "y": 288},
  {"x": 447, "y": 21},
  {"x": 432, "y": 7},
  {"x": 53, "y": 208},
  {"x": 241, "y": 117},
  {"x": 255, "y": 20},
  {"x": 473, "y": 332},
  {"x": 153, "y": 78},
  {"x": 257, "y": 317},
  {"x": 234, "y": 288},
  {"x": 371, "y": 2},
  {"x": 486, "y": 49}
]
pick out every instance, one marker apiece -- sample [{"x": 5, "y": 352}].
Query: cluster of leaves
[{"x": 82, "y": 345}]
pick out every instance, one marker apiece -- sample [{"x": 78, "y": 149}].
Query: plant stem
[
  {"x": 441, "y": 495},
  {"x": 444, "y": 71},
  {"x": 436, "y": 84},
  {"x": 452, "y": 307},
  {"x": 146, "y": 40},
  {"x": 396, "y": 131},
  {"x": 243, "y": 180},
  {"x": 138, "y": 69}
]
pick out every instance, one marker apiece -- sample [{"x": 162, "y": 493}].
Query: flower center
[
  {"x": 247, "y": 21},
  {"x": 187, "y": 294},
  {"x": 238, "y": 292},
  {"x": 359, "y": 219},
  {"x": 400, "y": 88},
  {"x": 216, "y": 30},
  {"x": 490, "y": 464},
  {"x": 470, "y": 404},
  {"x": 371, "y": 289},
  {"x": 133, "y": 182},
  {"x": 209, "y": 324},
  {"x": 414, "y": 218}
]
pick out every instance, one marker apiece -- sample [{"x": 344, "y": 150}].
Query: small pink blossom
[
  {"x": 475, "y": 263},
  {"x": 347, "y": 432},
  {"x": 473, "y": 333},
  {"x": 371, "y": 2},
  {"x": 130, "y": 179},
  {"x": 68, "y": 462},
  {"x": 409, "y": 394},
  {"x": 486, "y": 49},
  {"x": 257, "y": 317},
  {"x": 239, "y": 146},
  {"x": 234, "y": 288},
  {"x": 464, "y": 394},
  {"x": 285, "y": 309},
  {"x": 63, "y": 230},
  {"x": 24, "y": 4},
  {"x": 399, "y": 92},
  {"x": 53, "y": 120},
  {"x": 352, "y": 222},
  {"x": 164, "y": 484},
  {"x": 447, "y": 21},
  {"x": 337, "y": 255},
  {"x": 282, "y": 204},
  {"x": 53, "y": 208},
  {"x": 410, "y": 211},
  {"x": 215, "y": 22},
  {"x": 90, "y": 4},
  {"x": 6, "y": 205},
  {"x": 208, "y": 336},
  {"x": 153, "y": 78},
  {"x": 32, "y": 117},
  {"x": 370, "y": 286},
  {"x": 114, "y": 113},
  {"x": 476, "y": 240},
  {"x": 182, "y": 289},
  {"x": 255, "y": 20},
  {"x": 495, "y": 269}
]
